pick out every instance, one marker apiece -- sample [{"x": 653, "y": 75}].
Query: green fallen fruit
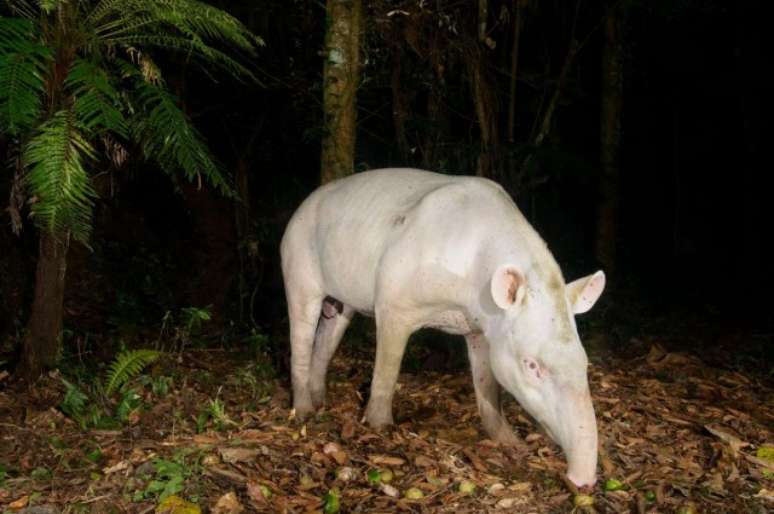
[
  {"x": 386, "y": 475},
  {"x": 176, "y": 505},
  {"x": 332, "y": 501},
  {"x": 583, "y": 500},
  {"x": 414, "y": 494},
  {"x": 374, "y": 477},
  {"x": 766, "y": 453},
  {"x": 467, "y": 487},
  {"x": 650, "y": 496},
  {"x": 265, "y": 491},
  {"x": 614, "y": 485}
]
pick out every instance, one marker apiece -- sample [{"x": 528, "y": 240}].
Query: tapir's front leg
[
  {"x": 488, "y": 391},
  {"x": 392, "y": 334}
]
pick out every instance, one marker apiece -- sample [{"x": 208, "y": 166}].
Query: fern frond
[
  {"x": 23, "y": 65},
  {"x": 23, "y": 8},
  {"x": 14, "y": 32},
  {"x": 187, "y": 26},
  {"x": 97, "y": 103},
  {"x": 56, "y": 177},
  {"x": 74, "y": 402},
  {"x": 126, "y": 366},
  {"x": 167, "y": 136}
]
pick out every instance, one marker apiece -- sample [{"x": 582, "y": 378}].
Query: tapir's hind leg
[
  {"x": 488, "y": 391},
  {"x": 304, "y": 313},
  {"x": 333, "y": 323}
]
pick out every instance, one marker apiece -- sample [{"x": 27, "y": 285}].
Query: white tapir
[{"x": 419, "y": 249}]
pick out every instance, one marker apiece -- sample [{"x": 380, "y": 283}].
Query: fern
[
  {"x": 181, "y": 25},
  {"x": 97, "y": 103},
  {"x": 104, "y": 97},
  {"x": 58, "y": 179},
  {"x": 23, "y": 65},
  {"x": 74, "y": 402},
  {"x": 126, "y": 366},
  {"x": 167, "y": 137}
]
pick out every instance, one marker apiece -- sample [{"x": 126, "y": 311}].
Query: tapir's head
[{"x": 538, "y": 357}]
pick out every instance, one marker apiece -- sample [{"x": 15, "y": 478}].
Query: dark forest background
[{"x": 694, "y": 223}]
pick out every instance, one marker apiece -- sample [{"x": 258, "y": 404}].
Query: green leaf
[
  {"x": 23, "y": 66},
  {"x": 332, "y": 501},
  {"x": 128, "y": 365},
  {"x": 97, "y": 103},
  {"x": 167, "y": 137},
  {"x": 187, "y": 26},
  {"x": 57, "y": 179}
]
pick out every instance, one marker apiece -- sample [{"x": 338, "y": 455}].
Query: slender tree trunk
[
  {"x": 484, "y": 99},
  {"x": 341, "y": 75},
  {"x": 44, "y": 328},
  {"x": 433, "y": 155},
  {"x": 610, "y": 139},
  {"x": 514, "y": 70},
  {"x": 485, "y": 102},
  {"x": 399, "y": 107}
]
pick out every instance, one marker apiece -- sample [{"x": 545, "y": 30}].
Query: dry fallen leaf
[
  {"x": 232, "y": 455},
  {"x": 766, "y": 494},
  {"x": 727, "y": 436},
  {"x": 228, "y": 504},
  {"x": 20, "y": 503},
  {"x": 386, "y": 460}
]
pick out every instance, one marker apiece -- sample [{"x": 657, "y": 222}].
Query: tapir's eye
[{"x": 533, "y": 367}]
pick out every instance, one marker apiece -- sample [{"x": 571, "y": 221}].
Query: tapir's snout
[{"x": 579, "y": 436}]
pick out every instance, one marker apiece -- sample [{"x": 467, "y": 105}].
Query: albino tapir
[{"x": 419, "y": 249}]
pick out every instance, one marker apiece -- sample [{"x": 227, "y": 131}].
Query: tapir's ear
[
  {"x": 508, "y": 286},
  {"x": 584, "y": 292}
]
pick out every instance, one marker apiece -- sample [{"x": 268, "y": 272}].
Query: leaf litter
[{"x": 676, "y": 435}]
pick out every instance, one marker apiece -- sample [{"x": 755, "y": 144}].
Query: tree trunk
[
  {"x": 399, "y": 106},
  {"x": 610, "y": 141},
  {"x": 485, "y": 101},
  {"x": 44, "y": 328},
  {"x": 434, "y": 155},
  {"x": 514, "y": 71},
  {"x": 341, "y": 75}
]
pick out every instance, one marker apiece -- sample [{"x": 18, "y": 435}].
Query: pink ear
[
  {"x": 507, "y": 286},
  {"x": 584, "y": 292}
]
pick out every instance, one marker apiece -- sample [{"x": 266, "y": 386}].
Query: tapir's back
[{"x": 346, "y": 226}]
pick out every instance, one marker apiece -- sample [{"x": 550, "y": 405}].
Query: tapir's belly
[{"x": 452, "y": 322}]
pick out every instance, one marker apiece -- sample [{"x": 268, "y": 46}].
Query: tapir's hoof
[
  {"x": 302, "y": 412},
  {"x": 378, "y": 421},
  {"x": 318, "y": 399},
  {"x": 508, "y": 438},
  {"x": 505, "y": 436}
]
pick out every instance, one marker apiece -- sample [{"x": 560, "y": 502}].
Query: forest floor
[{"x": 678, "y": 433}]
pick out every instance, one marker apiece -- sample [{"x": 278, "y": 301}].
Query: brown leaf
[
  {"x": 727, "y": 436},
  {"x": 20, "y": 503},
  {"x": 228, "y": 504},
  {"x": 348, "y": 429},
  {"x": 254, "y": 492},
  {"x": 232, "y": 455},
  {"x": 386, "y": 460}
]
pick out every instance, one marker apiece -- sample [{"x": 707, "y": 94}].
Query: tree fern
[
  {"x": 23, "y": 65},
  {"x": 97, "y": 103},
  {"x": 167, "y": 136},
  {"x": 103, "y": 96},
  {"x": 57, "y": 178},
  {"x": 185, "y": 25},
  {"x": 127, "y": 366}
]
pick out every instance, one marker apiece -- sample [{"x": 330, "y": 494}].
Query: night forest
[{"x": 153, "y": 153}]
